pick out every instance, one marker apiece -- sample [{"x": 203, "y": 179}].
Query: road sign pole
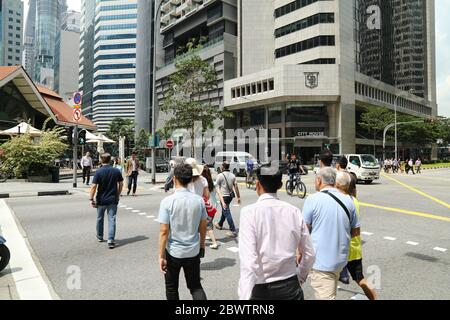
[{"x": 75, "y": 155}]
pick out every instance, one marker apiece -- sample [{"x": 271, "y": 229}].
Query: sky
[{"x": 442, "y": 51}]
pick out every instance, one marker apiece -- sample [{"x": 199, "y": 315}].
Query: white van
[
  {"x": 236, "y": 160},
  {"x": 363, "y": 166}
]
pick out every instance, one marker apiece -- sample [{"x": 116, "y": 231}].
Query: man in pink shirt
[{"x": 275, "y": 248}]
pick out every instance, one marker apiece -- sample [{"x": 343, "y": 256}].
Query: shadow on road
[
  {"x": 218, "y": 264},
  {"x": 9, "y": 271},
  {"x": 124, "y": 242}
]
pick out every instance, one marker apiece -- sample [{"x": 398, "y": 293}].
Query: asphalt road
[{"x": 405, "y": 224}]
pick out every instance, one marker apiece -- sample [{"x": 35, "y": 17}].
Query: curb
[{"x": 34, "y": 194}]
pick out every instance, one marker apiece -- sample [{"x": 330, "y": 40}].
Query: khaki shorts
[{"x": 324, "y": 284}]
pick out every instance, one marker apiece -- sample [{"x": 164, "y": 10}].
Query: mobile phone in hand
[{"x": 202, "y": 252}]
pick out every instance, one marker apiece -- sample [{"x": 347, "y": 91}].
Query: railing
[{"x": 207, "y": 45}]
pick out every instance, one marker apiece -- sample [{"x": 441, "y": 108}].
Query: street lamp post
[
  {"x": 156, "y": 9},
  {"x": 395, "y": 121}
]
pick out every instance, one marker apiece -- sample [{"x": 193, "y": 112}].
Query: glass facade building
[
  {"x": 11, "y": 21},
  {"x": 113, "y": 58},
  {"x": 28, "y": 44},
  {"x": 48, "y": 22}
]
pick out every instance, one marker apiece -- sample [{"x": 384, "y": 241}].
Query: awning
[
  {"x": 22, "y": 128},
  {"x": 42, "y": 99}
]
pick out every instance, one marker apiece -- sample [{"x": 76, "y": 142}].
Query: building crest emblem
[{"x": 311, "y": 79}]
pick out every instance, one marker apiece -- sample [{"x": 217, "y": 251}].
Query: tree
[
  {"x": 375, "y": 120},
  {"x": 24, "y": 155},
  {"x": 121, "y": 127},
  {"x": 141, "y": 144},
  {"x": 420, "y": 133},
  {"x": 183, "y": 103}
]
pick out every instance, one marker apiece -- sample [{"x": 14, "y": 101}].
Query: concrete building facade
[
  {"x": 114, "y": 77},
  {"x": 305, "y": 67},
  {"x": 11, "y": 29},
  {"x": 67, "y": 55},
  {"x": 211, "y": 22}
]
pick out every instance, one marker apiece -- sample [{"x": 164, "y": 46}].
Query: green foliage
[
  {"x": 421, "y": 133},
  {"x": 374, "y": 120},
  {"x": 142, "y": 144},
  {"x": 121, "y": 127},
  {"x": 182, "y": 103},
  {"x": 24, "y": 155}
]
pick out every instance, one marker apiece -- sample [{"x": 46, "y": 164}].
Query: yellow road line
[
  {"x": 408, "y": 212},
  {"x": 418, "y": 191},
  {"x": 412, "y": 213}
]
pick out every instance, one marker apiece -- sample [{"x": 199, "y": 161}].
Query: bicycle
[{"x": 297, "y": 185}]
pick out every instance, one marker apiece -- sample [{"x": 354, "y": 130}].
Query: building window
[
  {"x": 305, "y": 45},
  {"x": 292, "y": 6},
  {"x": 259, "y": 86},
  {"x": 305, "y": 23},
  {"x": 233, "y": 93}
]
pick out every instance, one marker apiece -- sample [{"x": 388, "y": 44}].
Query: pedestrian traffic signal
[
  {"x": 82, "y": 137},
  {"x": 69, "y": 134}
]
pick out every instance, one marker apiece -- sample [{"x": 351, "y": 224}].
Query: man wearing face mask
[{"x": 275, "y": 249}]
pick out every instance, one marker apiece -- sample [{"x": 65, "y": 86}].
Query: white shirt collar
[{"x": 267, "y": 196}]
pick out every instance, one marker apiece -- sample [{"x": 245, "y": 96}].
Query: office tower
[
  {"x": 67, "y": 55},
  {"x": 28, "y": 43},
  {"x": 11, "y": 21},
  {"x": 310, "y": 67}
]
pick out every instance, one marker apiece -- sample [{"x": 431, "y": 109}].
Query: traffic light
[
  {"x": 69, "y": 134},
  {"x": 82, "y": 137}
]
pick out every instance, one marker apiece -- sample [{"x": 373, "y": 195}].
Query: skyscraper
[
  {"x": 11, "y": 21},
  {"x": 67, "y": 55},
  {"x": 212, "y": 24},
  {"x": 86, "y": 56},
  {"x": 114, "y": 61},
  {"x": 310, "y": 67},
  {"x": 30, "y": 31},
  {"x": 48, "y": 23}
]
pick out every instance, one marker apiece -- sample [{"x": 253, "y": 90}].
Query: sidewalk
[
  {"x": 7, "y": 286},
  {"x": 64, "y": 187}
]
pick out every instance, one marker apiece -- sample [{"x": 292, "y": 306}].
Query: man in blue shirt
[
  {"x": 183, "y": 221},
  {"x": 108, "y": 184},
  {"x": 331, "y": 217}
]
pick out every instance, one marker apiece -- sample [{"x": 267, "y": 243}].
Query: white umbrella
[
  {"x": 96, "y": 139},
  {"x": 22, "y": 128}
]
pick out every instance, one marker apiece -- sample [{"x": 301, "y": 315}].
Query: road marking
[
  {"x": 156, "y": 220},
  {"x": 412, "y": 243},
  {"x": 29, "y": 282},
  {"x": 142, "y": 213},
  {"x": 390, "y": 238},
  {"x": 128, "y": 208},
  {"x": 365, "y": 233},
  {"x": 149, "y": 217},
  {"x": 412, "y": 213},
  {"x": 135, "y": 211},
  {"x": 440, "y": 249},
  {"x": 233, "y": 249},
  {"x": 419, "y": 192}
]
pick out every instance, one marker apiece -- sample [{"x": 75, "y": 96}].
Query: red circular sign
[
  {"x": 169, "y": 144},
  {"x": 76, "y": 114}
]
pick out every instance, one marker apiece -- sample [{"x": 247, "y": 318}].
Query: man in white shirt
[
  {"x": 86, "y": 165},
  {"x": 275, "y": 248}
]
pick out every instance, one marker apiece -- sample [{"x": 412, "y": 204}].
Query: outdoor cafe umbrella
[{"x": 22, "y": 128}]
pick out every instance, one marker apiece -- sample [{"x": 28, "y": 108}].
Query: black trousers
[
  {"x": 132, "y": 180},
  {"x": 191, "y": 269},
  {"x": 86, "y": 174},
  {"x": 288, "y": 289}
]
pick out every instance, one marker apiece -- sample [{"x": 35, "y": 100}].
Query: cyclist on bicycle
[
  {"x": 249, "y": 168},
  {"x": 294, "y": 168}
]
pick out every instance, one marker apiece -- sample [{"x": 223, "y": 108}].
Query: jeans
[
  {"x": 112, "y": 212},
  {"x": 132, "y": 180},
  {"x": 191, "y": 269},
  {"x": 86, "y": 174},
  {"x": 226, "y": 214},
  {"x": 288, "y": 289}
]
